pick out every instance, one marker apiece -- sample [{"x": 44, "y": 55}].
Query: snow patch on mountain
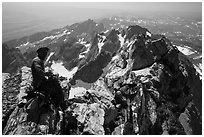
[
  {"x": 121, "y": 39},
  {"x": 188, "y": 51},
  {"x": 106, "y": 31},
  {"x": 77, "y": 91},
  {"x": 52, "y": 37},
  {"x": 24, "y": 45},
  {"x": 198, "y": 57},
  {"x": 116, "y": 57},
  {"x": 148, "y": 34},
  {"x": 62, "y": 71},
  {"x": 82, "y": 55},
  {"x": 198, "y": 69},
  {"x": 45, "y": 38},
  {"x": 65, "y": 32},
  {"x": 185, "y": 50},
  {"x": 130, "y": 44},
  {"x": 145, "y": 71},
  {"x": 101, "y": 42}
]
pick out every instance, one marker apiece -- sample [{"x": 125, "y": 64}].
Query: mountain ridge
[
  {"x": 59, "y": 37},
  {"x": 121, "y": 82}
]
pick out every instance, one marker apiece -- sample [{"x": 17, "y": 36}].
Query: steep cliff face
[
  {"x": 128, "y": 82},
  {"x": 12, "y": 59}
]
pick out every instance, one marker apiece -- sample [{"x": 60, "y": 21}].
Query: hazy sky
[
  {"x": 135, "y": 6},
  {"x": 82, "y": 10},
  {"x": 29, "y": 17}
]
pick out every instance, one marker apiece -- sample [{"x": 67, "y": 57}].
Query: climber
[
  {"x": 38, "y": 71},
  {"x": 49, "y": 88},
  {"x": 38, "y": 74}
]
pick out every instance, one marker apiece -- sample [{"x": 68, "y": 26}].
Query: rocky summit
[{"x": 119, "y": 82}]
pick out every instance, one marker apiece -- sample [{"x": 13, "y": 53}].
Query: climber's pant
[{"x": 56, "y": 96}]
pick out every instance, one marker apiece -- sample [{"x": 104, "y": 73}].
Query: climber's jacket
[{"x": 38, "y": 71}]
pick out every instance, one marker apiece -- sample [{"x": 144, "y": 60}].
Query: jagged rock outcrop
[
  {"x": 10, "y": 90},
  {"x": 135, "y": 30},
  {"x": 145, "y": 87},
  {"x": 92, "y": 111},
  {"x": 97, "y": 59},
  {"x": 93, "y": 70},
  {"x": 153, "y": 90},
  {"x": 36, "y": 116},
  {"x": 70, "y": 52}
]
